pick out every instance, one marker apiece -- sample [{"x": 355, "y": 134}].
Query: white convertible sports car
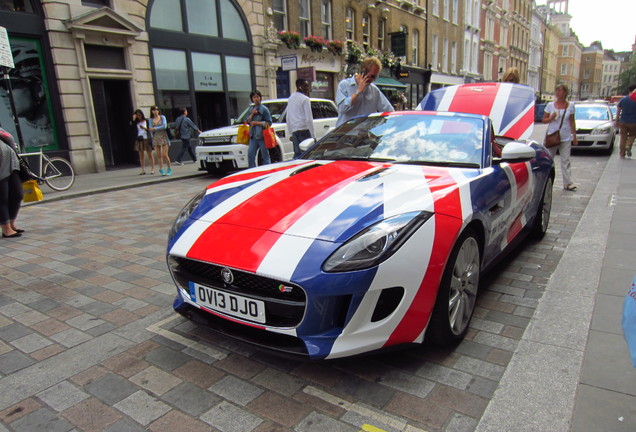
[{"x": 376, "y": 237}]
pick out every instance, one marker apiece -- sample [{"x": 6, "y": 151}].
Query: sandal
[{"x": 571, "y": 187}]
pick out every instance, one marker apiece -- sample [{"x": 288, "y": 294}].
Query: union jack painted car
[{"x": 376, "y": 237}]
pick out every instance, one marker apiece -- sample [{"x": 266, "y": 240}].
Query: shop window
[
  {"x": 239, "y": 78},
  {"x": 208, "y": 75},
  {"x": 202, "y": 17},
  {"x": 166, "y": 15},
  {"x": 170, "y": 69}
]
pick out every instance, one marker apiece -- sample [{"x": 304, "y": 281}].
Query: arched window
[{"x": 202, "y": 59}]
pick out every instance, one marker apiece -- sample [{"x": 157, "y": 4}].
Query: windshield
[
  {"x": 591, "y": 113},
  {"x": 405, "y": 138},
  {"x": 275, "y": 109}
]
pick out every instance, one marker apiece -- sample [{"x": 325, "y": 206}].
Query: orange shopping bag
[{"x": 269, "y": 135}]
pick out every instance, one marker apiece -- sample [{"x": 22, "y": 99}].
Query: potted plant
[
  {"x": 335, "y": 47},
  {"x": 290, "y": 38},
  {"x": 314, "y": 43}
]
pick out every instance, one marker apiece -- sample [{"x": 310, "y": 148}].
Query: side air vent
[{"x": 305, "y": 168}]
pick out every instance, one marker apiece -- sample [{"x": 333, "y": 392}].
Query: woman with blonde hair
[
  {"x": 560, "y": 117},
  {"x": 512, "y": 75},
  {"x": 158, "y": 127}
]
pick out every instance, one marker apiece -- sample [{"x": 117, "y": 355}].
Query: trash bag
[{"x": 629, "y": 321}]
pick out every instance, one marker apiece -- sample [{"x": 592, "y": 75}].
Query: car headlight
[
  {"x": 185, "y": 213},
  {"x": 375, "y": 243},
  {"x": 234, "y": 139},
  {"x": 603, "y": 129}
]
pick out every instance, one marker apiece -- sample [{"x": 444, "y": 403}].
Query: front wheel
[
  {"x": 457, "y": 292},
  {"x": 542, "y": 218},
  {"x": 58, "y": 174}
]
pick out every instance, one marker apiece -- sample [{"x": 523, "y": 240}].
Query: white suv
[{"x": 217, "y": 149}]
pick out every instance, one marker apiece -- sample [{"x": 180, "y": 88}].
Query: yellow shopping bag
[
  {"x": 31, "y": 191},
  {"x": 243, "y": 136}
]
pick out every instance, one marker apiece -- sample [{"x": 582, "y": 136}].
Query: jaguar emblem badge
[{"x": 227, "y": 275}]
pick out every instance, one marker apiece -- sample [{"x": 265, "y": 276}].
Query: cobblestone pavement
[{"x": 89, "y": 341}]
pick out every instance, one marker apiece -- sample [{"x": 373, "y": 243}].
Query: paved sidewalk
[{"x": 124, "y": 178}]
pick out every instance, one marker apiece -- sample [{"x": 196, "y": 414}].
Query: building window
[
  {"x": 446, "y": 10},
  {"x": 434, "y": 51},
  {"x": 202, "y": 17},
  {"x": 325, "y": 13},
  {"x": 436, "y": 7},
  {"x": 350, "y": 22},
  {"x": 586, "y": 74},
  {"x": 415, "y": 51},
  {"x": 488, "y": 67},
  {"x": 19, "y": 5},
  {"x": 305, "y": 18},
  {"x": 445, "y": 55},
  {"x": 279, "y": 14},
  {"x": 454, "y": 57},
  {"x": 166, "y": 15},
  {"x": 564, "y": 69},
  {"x": 455, "y": 10},
  {"x": 381, "y": 30},
  {"x": 93, "y": 3},
  {"x": 366, "y": 30}
]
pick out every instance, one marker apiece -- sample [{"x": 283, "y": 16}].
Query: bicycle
[{"x": 56, "y": 172}]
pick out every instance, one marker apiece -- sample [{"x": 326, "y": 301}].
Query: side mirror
[
  {"x": 517, "y": 152},
  {"x": 306, "y": 144}
]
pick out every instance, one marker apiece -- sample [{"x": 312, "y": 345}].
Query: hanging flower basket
[
  {"x": 315, "y": 43},
  {"x": 335, "y": 47},
  {"x": 290, "y": 38},
  {"x": 355, "y": 53}
]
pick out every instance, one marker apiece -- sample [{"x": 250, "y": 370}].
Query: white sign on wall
[{"x": 6, "y": 57}]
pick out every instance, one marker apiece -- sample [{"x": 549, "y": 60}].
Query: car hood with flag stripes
[{"x": 330, "y": 201}]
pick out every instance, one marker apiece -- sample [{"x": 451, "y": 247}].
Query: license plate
[
  {"x": 230, "y": 304},
  {"x": 214, "y": 158}
]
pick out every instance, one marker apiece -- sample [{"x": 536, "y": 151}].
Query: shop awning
[{"x": 389, "y": 84}]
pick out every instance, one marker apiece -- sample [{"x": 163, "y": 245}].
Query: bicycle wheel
[{"x": 58, "y": 174}]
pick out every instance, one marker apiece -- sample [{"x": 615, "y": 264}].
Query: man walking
[
  {"x": 300, "y": 120},
  {"x": 358, "y": 95},
  {"x": 184, "y": 126},
  {"x": 626, "y": 122}
]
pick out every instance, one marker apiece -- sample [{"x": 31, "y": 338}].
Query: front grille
[
  {"x": 284, "y": 302},
  {"x": 217, "y": 140},
  {"x": 583, "y": 131}
]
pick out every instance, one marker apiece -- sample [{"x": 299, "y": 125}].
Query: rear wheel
[
  {"x": 542, "y": 218},
  {"x": 457, "y": 292},
  {"x": 58, "y": 174}
]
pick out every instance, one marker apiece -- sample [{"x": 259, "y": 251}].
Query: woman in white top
[
  {"x": 142, "y": 143},
  {"x": 553, "y": 115}
]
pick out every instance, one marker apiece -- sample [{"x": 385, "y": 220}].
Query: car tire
[
  {"x": 457, "y": 293},
  {"x": 542, "y": 218},
  {"x": 213, "y": 169}
]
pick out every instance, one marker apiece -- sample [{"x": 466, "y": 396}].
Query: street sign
[
  {"x": 289, "y": 63},
  {"x": 398, "y": 43},
  {"x": 6, "y": 57}
]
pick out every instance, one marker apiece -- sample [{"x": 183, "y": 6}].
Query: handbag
[
  {"x": 243, "y": 134},
  {"x": 25, "y": 172},
  {"x": 269, "y": 136},
  {"x": 31, "y": 191},
  {"x": 554, "y": 139}
]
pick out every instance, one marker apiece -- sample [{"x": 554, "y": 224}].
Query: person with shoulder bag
[
  {"x": 561, "y": 132},
  {"x": 143, "y": 145},
  {"x": 160, "y": 140},
  {"x": 258, "y": 119},
  {"x": 183, "y": 129},
  {"x": 11, "y": 192}
]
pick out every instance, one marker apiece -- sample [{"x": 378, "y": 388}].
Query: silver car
[{"x": 594, "y": 126}]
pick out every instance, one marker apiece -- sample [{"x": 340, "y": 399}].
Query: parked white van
[{"x": 217, "y": 150}]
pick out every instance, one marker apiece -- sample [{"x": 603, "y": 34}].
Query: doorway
[
  {"x": 211, "y": 111},
  {"x": 113, "y": 111}
]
